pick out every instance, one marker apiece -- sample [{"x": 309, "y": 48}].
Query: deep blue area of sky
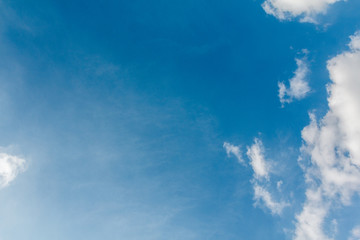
[
  {"x": 162, "y": 84},
  {"x": 218, "y": 55},
  {"x": 227, "y": 57}
]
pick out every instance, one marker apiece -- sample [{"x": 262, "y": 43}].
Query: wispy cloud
[
  {"x": 298, "y": 85},
  {"x": 261, "y": 175},
  {"x": 289, "y": 9},
  {"x": 333, "y": 172},
  {"x": 234, "y": 150},
  {"x": 261, "y": 194},
  {"x": 257, "y": 160},
  {"x": 261, "y": 179},
  {"x": 10, "y": 167}
]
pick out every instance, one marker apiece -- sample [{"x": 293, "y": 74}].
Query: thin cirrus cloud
[
  {"x": 233, "y": 150},
  {"x": 261, "y": 194},
  {"x": 298, "y": 85},
  {"x": 261, "y": 175},
  {"x": 10, "y": 167},
  {"x": 289, "y": 9},
  {"x": 332, "y": 144}
]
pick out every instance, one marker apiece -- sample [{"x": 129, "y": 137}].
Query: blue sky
[{"x": 179, "y": 120}]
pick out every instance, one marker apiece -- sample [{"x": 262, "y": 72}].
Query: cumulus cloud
[
  {"x": 310, "y": 221},
  {"x": 298, "y": 85},
  {"x": 305, "y": 9},
  {"x": 10, "y": 167},
  {"x": 234, "y": 150},
  {"x": 332, "y": 144}
]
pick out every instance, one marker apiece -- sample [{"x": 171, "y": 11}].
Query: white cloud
[
  {"x": 257, "y": 159},
  {"x": 333, "y": 174},
  {"x": 305, "y": 9},
  {"x": 262, "y": 194},
  {"x": 261, "y": 178},
  {"x": 235, "y": 150},
  {"x": 311, "y": 220},
  {"x": 355, "y": 42},
  {"x": 298, "y": 85},
  {"x": 10, "y": 167},
  {"x": 355, "y": 233}
]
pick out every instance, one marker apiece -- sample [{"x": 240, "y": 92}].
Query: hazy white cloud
[
  {"x": 10, "y": 167},
  {"x": 257, "y": 160},
  {"x": 305, "y": 9},
  {"x": 333, "y": 173},
  {"x": 355, "y": 233},
  {"x": 235, "y": 150},
  {"x": 298, "y": 85},
  {"x": 279, "y": 185},
  {"x": 261, "y": 194}
]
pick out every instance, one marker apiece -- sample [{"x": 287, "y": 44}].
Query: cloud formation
[
  {"x": 262, "y": 194},
  {"x": 261, "y": 179},
  {"x": 355, "y": 233},
  {"x": 235, "y": 150},
  {"x": 261, "y": 175},
  {"x": 298, "y": 85},
  {"x": 332, "y": 144},
  {"x": 10, "y": 167},
  {"x": 289, "y": 9},
  {"x": 257, "y": 160}
]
